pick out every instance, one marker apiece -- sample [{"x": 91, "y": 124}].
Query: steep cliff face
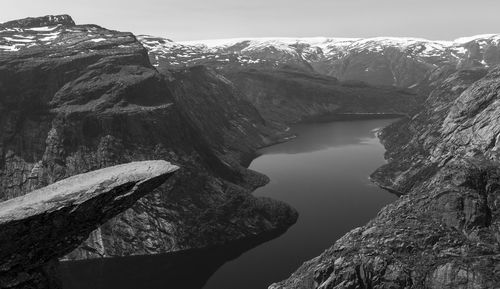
[
  {"x": 421, "y": 134},
  {"x": 75, "y": 98},
  {"x": 59, "y": 85},
  {"x": 50, "y": 222},
  {"x": 222, "y": 113},
  {"x": 444, "y": 231}
]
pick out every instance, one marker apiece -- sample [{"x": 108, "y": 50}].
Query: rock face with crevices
[{"x": 46, "y": 224}]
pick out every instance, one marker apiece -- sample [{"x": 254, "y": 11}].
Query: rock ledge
[{"x": 48, "y": 223}]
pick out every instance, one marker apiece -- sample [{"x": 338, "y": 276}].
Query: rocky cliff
[
  {"x": 223, "y": 113},
  {"x": 75, "y": 98},
  {"x": 43, "y": 225},
  {"x": 444, "y": 231}
]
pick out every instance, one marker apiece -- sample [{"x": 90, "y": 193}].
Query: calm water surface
[{"x": 323, "y": 173}]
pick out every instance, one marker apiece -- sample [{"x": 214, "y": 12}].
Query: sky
[{"x": 183, "y": 20}]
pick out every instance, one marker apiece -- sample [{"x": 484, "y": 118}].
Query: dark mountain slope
[
  {"x": 222, "y": 112},
  {"x": 293, "y": 96}
]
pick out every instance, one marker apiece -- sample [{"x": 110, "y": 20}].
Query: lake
[{"x": 323, "y": 173}]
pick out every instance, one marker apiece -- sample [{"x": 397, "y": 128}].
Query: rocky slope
[
  {"x": 380, "y": 61},
  {"x": 75, "y": 98},
  {"x": 52, "y": 221},
  {"x": 444, "y": 232}
]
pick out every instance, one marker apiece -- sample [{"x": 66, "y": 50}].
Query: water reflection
[
  {"x": 182, "y": 270},
  {"x": 321, "y": 136}
]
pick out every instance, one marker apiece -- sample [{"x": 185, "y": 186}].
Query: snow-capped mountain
[
  {"x": 60, "y": 35},
  {"x": 381, "y": 60}
]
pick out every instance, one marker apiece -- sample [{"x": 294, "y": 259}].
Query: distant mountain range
[
  {"x": 384, "y": 60},
  {"x": 400, "y": 62}
]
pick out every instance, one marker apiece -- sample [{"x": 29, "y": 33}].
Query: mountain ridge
[
  {"x": 323, "y": 39},
  {"x": 402, "y": 62}
]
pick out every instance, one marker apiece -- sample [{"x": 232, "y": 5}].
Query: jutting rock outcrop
[{"x": 48, "y": 223}]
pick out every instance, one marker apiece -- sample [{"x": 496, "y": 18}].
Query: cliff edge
[{"x": 48, "y": 223}]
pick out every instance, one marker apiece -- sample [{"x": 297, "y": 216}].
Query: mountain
[
  {"x": 283, "y": 93},
  {"x": 76, "y": 98},
  {"x": 401, "y": 62}
]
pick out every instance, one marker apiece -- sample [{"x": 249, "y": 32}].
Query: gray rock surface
[{"x": 46, "y": 224}]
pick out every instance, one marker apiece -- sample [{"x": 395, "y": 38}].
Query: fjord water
[{"x": 323, "y": 173}]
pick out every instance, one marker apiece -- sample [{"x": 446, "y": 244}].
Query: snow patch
[
  {"x": 9, "y": 48},
  {"x": 464, "y": 40},
  {"x": 97, "y": 40},
  {"x": 48, "y": 38},
  {"x": 44, "y": 28},
  {"x": 22, "y": 40}
]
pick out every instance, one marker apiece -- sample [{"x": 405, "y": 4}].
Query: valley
[{"x": 77, "y": 98}]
